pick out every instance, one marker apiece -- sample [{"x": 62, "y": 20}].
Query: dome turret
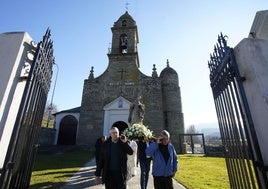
[{"x": 169, "y": 74}]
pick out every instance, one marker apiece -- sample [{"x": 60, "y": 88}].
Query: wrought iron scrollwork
[{"x": 220, "y": 65}]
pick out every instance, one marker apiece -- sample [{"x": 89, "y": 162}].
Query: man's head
[
  {"x": 165, "y": 137},
  {"x": 114, "y": 133}
]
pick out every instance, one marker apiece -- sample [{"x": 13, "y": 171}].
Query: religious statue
[{"x": 136, "y": 112}]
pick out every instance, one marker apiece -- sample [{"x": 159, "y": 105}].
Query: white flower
[{"x": 137, "y": 131}]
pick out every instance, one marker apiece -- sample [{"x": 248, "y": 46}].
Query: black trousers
[
  {"x": 115, "y": 181},
  {"x": 163, "y": 182}
]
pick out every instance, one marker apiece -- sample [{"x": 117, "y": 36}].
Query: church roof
[
  {"x": 126, "y": 16},
  {"x": 73, "y": 110}
]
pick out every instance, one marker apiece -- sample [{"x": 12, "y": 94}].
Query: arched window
[
  {"x": 123, "y": 43},
  {"x": 124, "y": 23}
]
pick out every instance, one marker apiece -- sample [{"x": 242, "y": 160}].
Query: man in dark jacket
[{"x": 113, "y": 161}]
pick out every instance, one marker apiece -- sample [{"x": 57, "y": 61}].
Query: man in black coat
[{"x": 113, "y": 161}]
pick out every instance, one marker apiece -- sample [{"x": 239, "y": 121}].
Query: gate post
[
  {"x": 252, "y": 61},
  {"x": 26, "y": 120}
]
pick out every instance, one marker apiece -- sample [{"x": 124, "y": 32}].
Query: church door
[
  {"x": 116, "y": 114},
  {"x": 67, "y": 131}
]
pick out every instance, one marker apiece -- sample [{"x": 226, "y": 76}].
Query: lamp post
[{"x": 50, "y": 107}]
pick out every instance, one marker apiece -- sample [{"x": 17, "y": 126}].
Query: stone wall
[{"x": 47, "y": 136}]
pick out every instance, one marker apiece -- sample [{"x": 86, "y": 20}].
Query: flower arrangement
[{"x": 138, "y": 131}]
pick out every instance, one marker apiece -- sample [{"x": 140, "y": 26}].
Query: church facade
[{"x": 106, "y": 99}]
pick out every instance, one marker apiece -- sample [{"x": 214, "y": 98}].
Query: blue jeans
[{"x": 145, "y": 165}]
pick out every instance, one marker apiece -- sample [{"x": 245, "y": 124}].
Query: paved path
[{"x": 84, "y": 179}]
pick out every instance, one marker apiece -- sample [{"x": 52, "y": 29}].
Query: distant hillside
[
  {"x": 211, "y": 132},
  {"x": 208, "y": 129}
]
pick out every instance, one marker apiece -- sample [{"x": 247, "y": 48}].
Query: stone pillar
[
  {"x": 252, "y": 59},
  {"x": 16, "y": 60}
]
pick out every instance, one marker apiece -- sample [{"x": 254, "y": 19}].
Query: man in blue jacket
[{"x": 165, "y": 161}]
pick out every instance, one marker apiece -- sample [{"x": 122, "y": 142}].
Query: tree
[
  {"x": 192, "y": 130},
  {"x": 48, "y": 118}
]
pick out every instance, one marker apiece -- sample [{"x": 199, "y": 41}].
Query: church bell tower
[{"x": 124, "y": 40}]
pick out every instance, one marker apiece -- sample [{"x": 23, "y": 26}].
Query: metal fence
[
  {"x": 243, "y": 157},
  {"x": 22, "y": 149},
  {"x": 193, "y": 143}
]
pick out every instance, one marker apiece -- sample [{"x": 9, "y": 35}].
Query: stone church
[{"x": 106, "y": 99}]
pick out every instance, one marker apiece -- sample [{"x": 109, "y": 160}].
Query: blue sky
[{"x": 182, "y": 31}]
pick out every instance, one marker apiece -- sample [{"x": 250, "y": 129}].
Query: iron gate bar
[
  {"x": 230, "y": 154},
  {"x": 235, "y": 122},
  {"x": 231, "y": 131},
  {"x": 22, "y": 152},
  {"x": 30, "y": 128},
  {"x": 238, "y": 152},
  {"x": 241, "y": 131}
]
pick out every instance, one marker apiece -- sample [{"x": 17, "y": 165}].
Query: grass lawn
[
  {"x": 200, "y": 172},
  {"x": 52, "y": 170}
]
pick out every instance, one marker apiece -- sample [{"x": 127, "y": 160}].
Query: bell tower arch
[{"x": 125, "y": 39}]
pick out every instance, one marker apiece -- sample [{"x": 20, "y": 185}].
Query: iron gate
[
  {"x": 22, "y": 148},
  {"x": 242, "y": 153}
]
